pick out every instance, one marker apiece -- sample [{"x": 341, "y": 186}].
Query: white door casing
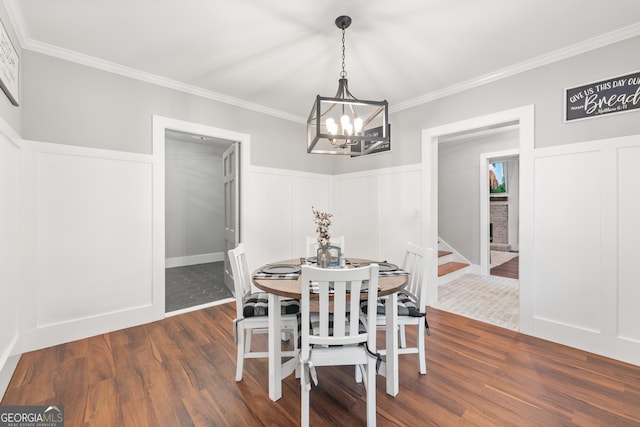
[
  {"x": 485, "y": 158},
  {"x": 525, "y": 118},
  {"x": 160, "y": 125},
  {"x": 231, "y": 206}
]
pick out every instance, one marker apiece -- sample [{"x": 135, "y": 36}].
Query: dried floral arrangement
[{"x": 323, "y": 221}]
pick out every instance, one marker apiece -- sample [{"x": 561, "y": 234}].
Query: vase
[
  {"x": 328, "y": 256},
  {"x": 323, "y": 257}
]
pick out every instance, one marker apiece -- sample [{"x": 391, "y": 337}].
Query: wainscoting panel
[
  {"x": 307, "y": 191},
  {"x": 379, "y": 211},
  {"x": 400, "y": 215},
  {"x": 567, "y": 221},
  {"x": 280, "y": 216},
  {"x": 9, "y": 298},
  {"x": 356, "y": 214},
  {"x": 89, "y": 213},
  {"x": 628, "y": 234},
  {"x": 268, "y": 222},
  {"x": 586, "y": 269}
]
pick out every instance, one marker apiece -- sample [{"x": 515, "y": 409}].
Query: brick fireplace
[{"x": 499, "y": 218}]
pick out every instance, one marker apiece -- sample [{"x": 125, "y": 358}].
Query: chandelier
[{"x": 344, "y": 124}]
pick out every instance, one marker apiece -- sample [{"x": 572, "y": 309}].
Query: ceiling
[{"x": 280, "y": 54}]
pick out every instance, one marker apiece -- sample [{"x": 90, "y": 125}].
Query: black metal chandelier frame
[{"x": 365, "y": 128}]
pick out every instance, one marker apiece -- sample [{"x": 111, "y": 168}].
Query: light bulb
[
  {"x": 357, "y": 125},
  {"x": 345, "y": 121},
  {"x": 332, "y": 127}
]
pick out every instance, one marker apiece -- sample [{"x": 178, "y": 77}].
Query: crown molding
[
  {"x": 546, "y": 59},
  {"x": 17, "y": 21},
  {"x": 155, "y": 79},
  {"x": 26, "y": 42}
]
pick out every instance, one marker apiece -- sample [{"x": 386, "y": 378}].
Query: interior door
[{"x": 231, "y": 163}]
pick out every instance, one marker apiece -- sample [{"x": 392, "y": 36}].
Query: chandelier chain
[{"x": 343, "y": 73}]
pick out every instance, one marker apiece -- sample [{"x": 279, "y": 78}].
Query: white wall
[
  {"x": 88, "y": 241},
  {"x": 87, "y": 232},
  {"x": 9, "y": 249},
  {"x": 587, "y": 206},
  {"x": 10, "y": 239},
  {"x": 88, "y": 217},
  {"x": 194, "y": 198},
  {"x": 280, "y": 216},
  {"x": 378, "y": 211}
]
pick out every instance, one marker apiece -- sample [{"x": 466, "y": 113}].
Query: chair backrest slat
[
  {"x": 339, "y": 295},
  {"x": 241, "y": 276},
  {"x": 416, "y": 262},
  {"x": 339, "y": 309}
]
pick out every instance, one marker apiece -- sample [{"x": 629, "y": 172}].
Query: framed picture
[
  {"x": 497, "y": 178},
  {"x": 9, "y": 66}
]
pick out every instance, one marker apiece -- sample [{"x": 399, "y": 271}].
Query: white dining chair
[
  {"x": 252, "y": 313},
  {"x": 312, "y": 244},
  {"x": 412, "y": 301},
  {"x": 334, "y": 335}
]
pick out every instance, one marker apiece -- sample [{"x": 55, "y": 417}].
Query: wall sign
[
  {"x": 9, "y": 63},
  {"x": 615, "y": 95}
]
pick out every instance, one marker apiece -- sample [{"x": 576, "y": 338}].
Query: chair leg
[
  {"x": 421, "y": 349},
  {"x": 304, "y": 405},
  {"x": 240, "y": 351},
  {"x": 358, "y": 374},
  {"x": 371, "y": 393}
]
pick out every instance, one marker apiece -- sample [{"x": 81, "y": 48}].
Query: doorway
[
  {"x": 499, "y": 207},
  {"x": 209, "y": 140},
  {"x": 524, "y": 118},
  {"x": 194, "y": 220}
]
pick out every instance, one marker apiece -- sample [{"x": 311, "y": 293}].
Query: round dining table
[{"x": 278, "y": 288}]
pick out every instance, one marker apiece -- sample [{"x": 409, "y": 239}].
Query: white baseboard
[
  {"x": 199, "y": 307},
  {"x": 194, "y": 259},
  {"x": 8, "y": 364},
  {"x": 54, "y": 334}
]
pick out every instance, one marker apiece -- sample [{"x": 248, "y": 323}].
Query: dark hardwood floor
[
  {"x": 509, "y": 269},
  {"x": 180, "y": 372}
]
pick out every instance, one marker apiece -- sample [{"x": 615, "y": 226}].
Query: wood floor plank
[
  {"x": 510, "y": 269},
  {"x": 180, "y": 372}
]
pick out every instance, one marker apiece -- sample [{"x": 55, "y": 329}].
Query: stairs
[{"x": 450, "y": 267}]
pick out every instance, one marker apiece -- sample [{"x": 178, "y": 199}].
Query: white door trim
[
  {"x": 160, "y": 125},
  {"x": 485, "y": 205},
  {"x": 525, "y": 118}
]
